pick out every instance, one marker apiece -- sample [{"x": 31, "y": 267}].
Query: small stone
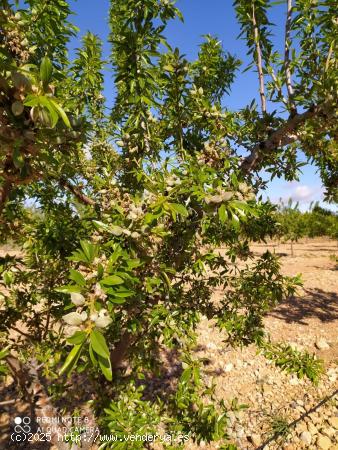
[
  {"x": 228, "y": 367},
  {"x": 332, "y": 374},
  {"x": 333, "y": 421},
  {"x": 321, "y": 344},
  {"x": 315, "y": 418},
  {"x": 312, "y": 429},
  {"x": 328, "y": 431},
  {"x": 294, "y": 381},
  {"x": 301, "y": 427},
  {"x": 255, "y": 439},
  {"x": 323, "y": 442},
  {"x": 306, "y": 437}
]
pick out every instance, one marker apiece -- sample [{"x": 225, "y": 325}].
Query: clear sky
[{"x": 214, "y": 17}]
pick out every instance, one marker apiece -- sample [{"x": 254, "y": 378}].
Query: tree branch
[
  {"x": 287, "y": 57},
  {"x": 286, "y": 134},
  {"x": 259, "y": 62},
  {"x": 77, "y": 192}
]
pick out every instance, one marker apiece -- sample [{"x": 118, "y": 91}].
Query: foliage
[
  {"x": 293, "y": 361},
  {"x": 294, "y": 224},
  {"x": 280, "y": 427},
  {"x": 118, "y": 257}
]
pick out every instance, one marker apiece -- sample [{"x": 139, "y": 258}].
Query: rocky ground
[{"x": 282, "y": 411}]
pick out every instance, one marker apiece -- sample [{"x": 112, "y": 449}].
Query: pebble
[
  {"x": 301, "y": 427},
  {"x": 321, "y": 344},
  {"x": 328, "y": 431},
  {"x": 332, "y": 374},
  {"x": 333, "y": 421},
  {"x": 255, "y": 439},
  {"x": 312, "y": 429},
  {"x": 294, "y": 381},
  {"x": 323, "y": 442},
  {"x": 306, "y": 437},
  {"x": 228, "y": 367}
]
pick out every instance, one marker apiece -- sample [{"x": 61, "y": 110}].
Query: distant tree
[{"x": 292, "y": 223}]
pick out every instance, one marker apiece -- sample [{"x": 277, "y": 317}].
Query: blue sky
[{"x": 215, "y": 17}]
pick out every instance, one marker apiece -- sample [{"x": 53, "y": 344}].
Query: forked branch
[{"x": 286, "y": 134}]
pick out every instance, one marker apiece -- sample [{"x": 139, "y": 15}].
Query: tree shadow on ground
[{"x": 315, "y": 304}]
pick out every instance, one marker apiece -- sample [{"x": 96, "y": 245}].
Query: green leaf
[
  {"x": 71, "y": 359},
  {"x": 69, "y": 289},
  {"x": 222, "y": 213},
  {"x": 46, "y": 70},
  {"x": 186, "y": 375},
  {"x": 92, "y": 355},
  {"x": 4, "y": 352},
  {"x": 112, "y": 280},
  {"x": 105, "y": 367},
  {"x": 90, "y": 250},
  {"x": 115, "y": 256},
  {"x": 179, "y": 209},
  {"x": 8, "y": 277},
  {"x": 61, "y": 113},
  {"x": 99, "y": 344},
  {"x": 77, "y": 277},
  {"x": 123, "y": 293},
  {"x": 133, "y": 263},
  {"x": 78, "y": 256},
  {"x": 31, "y": 100},
  {"x": 117, "y": 300},
  {"x": 102, "y": 226},
  {"x": 78, "y": 338}
]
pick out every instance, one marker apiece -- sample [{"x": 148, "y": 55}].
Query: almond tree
[{"x": 118, "y": 261}]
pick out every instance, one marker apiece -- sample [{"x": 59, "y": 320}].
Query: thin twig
[
  {"x": 7, "y": 402},
  {"x": 259, "y": 62},
  {"x": 287, "y": 56},
  {"x": 22, "y": 332}
]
